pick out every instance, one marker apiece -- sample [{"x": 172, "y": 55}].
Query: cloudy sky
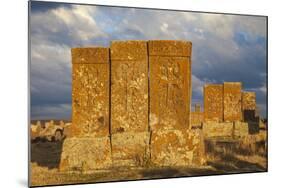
[{"x": 225, "y": 47}]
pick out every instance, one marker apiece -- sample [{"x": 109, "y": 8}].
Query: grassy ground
[{"x": 224, "y": 156}]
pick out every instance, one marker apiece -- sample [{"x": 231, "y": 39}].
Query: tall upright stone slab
[
  {"x": 232, "y": 101},
  {"x": 129, "y": 102},
  {"x": 213, "y": 102},
  {"x": 90, "y": 92},
  {"x": 88, "y": 145},
  {"x": 173, "y": 143},
  {"x": 129, "y": 86},
  {"x": 170, "y": 84}
]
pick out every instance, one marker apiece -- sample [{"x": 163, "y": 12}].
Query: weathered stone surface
[
  {"x": 232, "y": 101},
  {"x": 197, "y": 118},
  {"x": 90, "y": 92},
  {"x": 213, "y": 102},
  {"x": 130, "y": 148},
  {"x": 216, "y": 129},
  {"x": 241, "y": 129},
  {"x": 129, "y": 86},
  {"x": 177, "y": 147},
  {"x": 249, "y": 106},
  {"x": 170, "y": 85},
  {"x": 170, "y": 48},
  {"x": 248, "y": 100},
  {"x": 85, "y": 154}
]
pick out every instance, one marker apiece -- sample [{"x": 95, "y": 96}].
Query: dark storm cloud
[{"x": 41, "y": 6}]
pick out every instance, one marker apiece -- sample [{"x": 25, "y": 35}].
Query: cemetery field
[{"x": 223, "y": 156}]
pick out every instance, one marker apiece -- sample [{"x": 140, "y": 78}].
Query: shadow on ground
[{"x": 46, "y": 154}]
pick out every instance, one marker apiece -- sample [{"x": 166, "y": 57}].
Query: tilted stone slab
[
  {"x": 90, "y": 92},
  {"x": 232, "y": 101},
  {"x": 130, "y": 148},
  {"x": 213, "y": 102},
  {"x": 177, "y": 148},
  {"x": 129, "y": 86},
  {"x": 170, "y": 84},
  {"x": 85, "y": 154}
]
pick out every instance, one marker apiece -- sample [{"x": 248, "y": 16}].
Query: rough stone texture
[
  {"x": 215, "y": 129},
  {"x": 90, "y": 92},
  {"x": 130, "y": 148},
  {"x": 170, "y": 84},
  {"x": 129, "y": 86},
  {"x": 249, "y": 106},
  {"x": 85, "y": 154},
  {"x": 177, "y": 148},
  {"x": 232, "y": 101},
  {"x": 197, "y": 118},
  {"x": 241, "y": 129},
  {"x": 213, "y": 102}
]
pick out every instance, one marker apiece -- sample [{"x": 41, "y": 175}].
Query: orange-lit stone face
[
  {"x": 129, "y": 86},
  {"x": 170, "y": 84},
  {"x": 177, "y": 147},
  {"x": 213, "y": 102},
  {"x": 90, "y": 92},
  {"x": 232, "y": 101}
]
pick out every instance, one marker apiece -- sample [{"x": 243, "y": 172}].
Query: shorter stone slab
[
  {"x": 197, "y": 119},
  {"x": 216, "y": 129},
  {"x": 130, "y": 148},
  {"x": 241, "y": 129},
  {"x": 232, "y": 101},
  {"x": 177, "y": 148},
  {"x": 85, "y": 154},
  {"x": 213, "y": 103}
]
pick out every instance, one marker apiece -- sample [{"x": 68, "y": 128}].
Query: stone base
[
  {"x": 130, "y": 148},
  {"x": 177, "y": 148},
  {"x": 215, "y": 129},
  {"x": 85, "y": 154},
  {"x": 241, "y": 129}
]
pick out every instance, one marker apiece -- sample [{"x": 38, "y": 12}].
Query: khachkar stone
[
  {"x": 232, "y": 101},
  {"x": 88, "y": 145},
  {"x": 90, "y": 91},
  {"x": 129, "y": 86},
  {"x": 129, "y": 102},
  {"x": 170, "y": 84},
  {"x": 173, "y": 143},
  {"x": 213, "y": 102}
]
